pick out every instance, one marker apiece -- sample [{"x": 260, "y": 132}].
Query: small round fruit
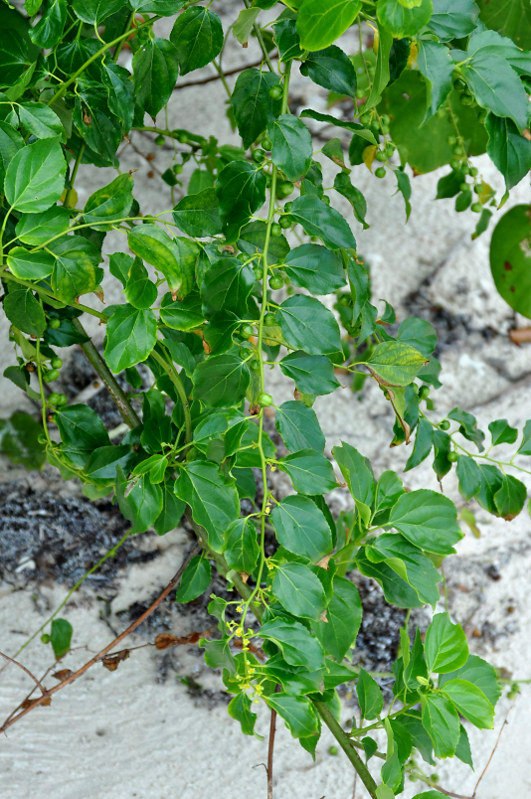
[
  {"x": 41, "y": 438},
  {"x": 445, "y": 424},
  {"x": 51, "y": 375},
  {"x": 365, "y": 119},
  {"x": 267, "y": 144},
  {"x": 246, "y": 331},
  {"x": 276, "y": 230},
  {"x": 270, "y": 319},
  {"x": 452, "y": 456},
  {"x": 56, "y": 363},
  {"x": 386, "y": 119},
  {"x": 276, "y": 282},
  {"x": 275, "y": 92},
  {"x": 285, "y": 222},
  {"x": 380, "y": 172},
  {"x": 53, "y": 399},
  {"x": 254, "y": 365},
  {"x": 389, "y": 149},
  {"x": 380, "y": 156},
  {"x": 258, "y": 272},
  {"x": 458, "y": 150},
  {"x": 288, "y": 207},
  {"x": 259, "y": 155},
  {"x": 284, "y": 188},
  {"x": 54, "y": 323},
  {"x": 455, "y": 163},
  {"x": 463, "y": 186},
  {"x": 477, "y": 208},
  {"x": 452, "y": 141},
  {"x": 182, "y": 136},
  {"x": 424, "y": 392},
  {"x": 45, "y": 638},
  {"x": 160, "y": 140},
  {"x": 265, "y": 400},
  {"x": 62, "y": 399},
  {"x": 360, "y": 94},
  {"x": 474, "y": 171}
]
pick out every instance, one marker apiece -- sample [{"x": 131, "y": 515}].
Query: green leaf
[
  {"x": 292, "y": 145},
  {"x": 343, "y": 619},
  {"x": 418, "y": 333},
  {"x": 463, "y": 751},
  {"x": 226, "y": 287},
  {"x": 119, "y": 84},
  {"x": 131, "y": 335},
  {"x": 510, "y": 259},
  {"x": 287, "y": 39},
  {"x": 244, "y": 24},
  {"x": 241, "y": 545},
  {"x": 453, "y": 19},
  {"x": 166, "y": 8},
  {"x": 422, "y": 446},
  {"x": 510, "y": 497},
  {"x": 197, "y": 215},
  {"x": 140, "y": 501},
  {"x": 82, "y": 431},
  {"x": 140, "y": 292},
  {"x": 509, "y": 17},
  {"x": 221, "y": 380},
  {"x": 370, "y": 696},
  {"x": 19, "y": 440},
  {"x": 37, "y": 229},
  {"x": 252, "y": 104},
  {"x": 241, "y": 191},
  {"x": 321, "y": 22},
  {"x": 94, "y": 12},
  {"x": 496, "y": 86},
  {"x": 184, "y": 314},
  {"x": 76, "y": 269},
  {"x": 430, "y": 794},
  {"x": 171, "y": 513},
  {"x": 445, "y": 645},
  {"x": 195, "y": 580},
  {"x": 239, "y": 708},
  {"x": 315, "y": 268},
  {"x": 396, "y": 590},
  {"x": 298, "y": 713},
  {"x": 364, "y": 133},
  {"x": 310, "y": 472},
  {"x": 395, "y": 363},
  {"x": 49, "y": 29},
  {"x": 436, "y": 65},
  {"x": 110, "y": 204},
  {"x": 478, "y": 672},
  {"x": 409, "y": 563},
  {"x": 30, "y": 265},
  {"x": 306, "y": 324},
  {"x": 403, "y": 22},
  {"x": 343, "y": 185},
  {"x": 468, "y": 426},
  {"x": 428, "y": 520},
  {"x": 357, "y": 471},
  {"x": 502, "y": 433},
  {"x": 24, "y": 311},
  {"x": 525, "y": 446},
  {"x": 469, "y": 476},
  {"x": 295, "y": 641},
  {"x": 102, "y": 463},
  {"x": 35, "y": 177},
  {"x": 155, "y": 72},
  {"x": 61, "y": 637},
  {"x": 332, "y": 69},
  {"x": 302, "y": 528},
  {"x": 313, "y": 374},
  {"x": 441, "y": 722},
  {"x": 14, "y": 58},
  {"x": 213, "y": 500},
  {"x": 10, "y": 143},
  {"x": 100, "y": 129},
  {"x": 39, "y": 120},
  {"x": 508, "y": 150},
  {"x": 319, "y": 219},
  {"x": 299, "y": 427},
  {"x": 175, "y": 258},
  {"x": 471, "y": 702},
  {"x": 198, "y": 38},
  {"x": 299, "y": 590}
]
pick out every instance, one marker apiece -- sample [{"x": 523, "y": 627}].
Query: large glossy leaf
[
  {"x": 298, "y": 713},
  {"x": 299, "y": 590},
  {"x": 131, "y": 335},
  {"x": 175, "y": 258},
  {"x": 453, "y": 19},
  {"x": 110, "y": 204},
  {"x": 315, "y": 268},
  {"x": 30, "y": 265},
  {"x": 119, "y": 84},
  {"x": 402, "y": 21},
  {"x": 395, "y": 363},
  {"x": 198, "y": 38},
  {"x": 496, "y": 86},
  {"x": 37, "y": 229},
  {"x": 226, "y": 286},
  {"x": 313, "y": 374},
  {"x": 19, "y": 440},
  {"x": 298, "y": 646},
  {"x": 155, "y": 72},
  {"x": 445, "y": 645},
  {"x": 299, "y": 427},
  {"x": 508, "y": 149},
  {"x": 370, "y": 696},
  {"x": 428, "y": 520},
  {"x": 195, "y": 580},
  {"x": 197, "y": 215},
  {"x": 436, "y": 65},
  {"x": 14, "y": 58},
  {"x": 310, "y": 472},
  {"x": 82, "y": 431},
  {"x": 510, "y": 259},
  {"x": 241, "y": 191},
  {"x": 252, "y": 104},
  {"x": 95, "y": 11},
  {"x": 212, "y": 499},
  {"x": 479, "y": 672},
  {"x": 321, "y": 22},
  {"x": 441, "y": 721},
  {"x": 10, "y": 143},
  {"x": 241, "y": 545},
  {"x": 221, "y": 380},
  {"x": 409, "y": 563},
  {"x": 292, "y": 145},
  {"x": 302, "y": 528},
  {"x": 76, "y": 269},
  {"x": 39, "y": 120},
  {"x": 332, "y": 69},
  {"x": 35, "y": 177},
  {"x": 471, "y": 702},
  {"x": 343, "y": 619},
  {"x": 509, "y": 17},
  {"x": 24, "y": 311},
  {"x": 357, "y": 472},
  {"x": 306, "y": 324},
  {"x": 319, "y": 219}
]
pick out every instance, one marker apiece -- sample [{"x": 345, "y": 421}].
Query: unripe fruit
[
  {"x": 284, "y": 188},
  {"x": 477, "y": 208},
  {"x": 275, "y": 92},
  {"x": 424, "y": 392},
  {"x": 380, "y": 156},
  {"x": 445, "y": 424},
  {"x": 246, "y": 331},
  {"x": 56, "y": 363},
  {"x": 285, "y": 222},
  {"x": 276, "y": 230},
  {"x": 258, "y": 156},
  {"x": 267, "y": 144},
  {"x": 270, "y": 319},
  {"x": 53, "y": 399},
  {"x": 50, "y": 376},
  {"x": 473, "y": 171},
  {"x": 265, "y": 400},
  {"x": 160, "y": 140},
  {"x": 380, "y": 172},
  {"x": 54, "y": 323},
  {"x": 276, "y": 282},
  {"x": 258, "y": 272},
  {"x": 452, "y": 456}
]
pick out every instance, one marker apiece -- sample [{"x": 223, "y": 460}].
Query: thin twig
[
  {"x": 271, "y": 750},
  {"x": 493, "y": 750},
  {"x": 28, "y": 672},
  {"x": 226, "y": 74},
  {"x": 71, "y": 677}
]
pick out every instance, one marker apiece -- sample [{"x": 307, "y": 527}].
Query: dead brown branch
[{"x": 46, "y": 694}]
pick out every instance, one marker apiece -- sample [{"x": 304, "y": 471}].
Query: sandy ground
[{"x": 135, "y": 733}]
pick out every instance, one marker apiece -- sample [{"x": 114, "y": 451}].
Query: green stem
[
  {"x": 49, "y": 298},
  {"x": 177, "y": 382},
  {"x": 344, "y": 741},
  {"x": 128, "y": 414},
  {"x": 43, "y": 396},
  {"x": 260, "y": 40}
]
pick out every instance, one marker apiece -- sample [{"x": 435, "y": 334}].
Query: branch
[
  {"x": 271, "y": 751},
  {"x": 226, "y": 74},
  {"x": 28, "y": 672},
  {"x": 71, "y": 677}
]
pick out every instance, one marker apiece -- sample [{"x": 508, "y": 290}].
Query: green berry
[
  {"x": 246, "y": 331},
  {"x": 288, "y": 207},
  {"x": 386, "y": 119},
  {"x": 380, "y": 156},
  {"x": 284, "y": 188},
  {"x": 285, "y": 222},
  {"x": 463, "y": 187},
  {"x": 270, "y": 319},
  {"x": 385, "y": 129},
  {"x": 477, "y": 208},
  {"x": 360, "y": 94},
  {"x": 473, "y": 171},
  {"x": 54, "y": 323},
  {"x": 258, "y": 272},
  {"x": 276, "y": 230},
  {"x": 56, "y": 363},
  {"x": 265, "y": 400},
  {"x": 452, "y": 141},
  {"x": 51, "y": 375},
  {"x": 45, "y": 638},
  {"x": 267, "y": 144},
  {"x": 276, "y": 282},
  {"x": 259, "y": 155},
  {"x": 452, "y": 456},
  {"x": 458, "y": 150},
  {"x": 389, "y": 149},
  {"x": 455, "y": 163},
  {"x": 333, "y": 750},
  {"x": 53, "y": 399},
  {"x": 445, "y": 424},
  {"x": 365, "y": 119},
  {"x": 160, "y": 140},
  {"x": 254, "y": 365},
  {"x": 275, "y": 92},
  {"x": 424, "y": 392},
  {"x": 380, "y": 172},
  {"x": 62, "y": 399},
  {"x": 41, "y": 438}
]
